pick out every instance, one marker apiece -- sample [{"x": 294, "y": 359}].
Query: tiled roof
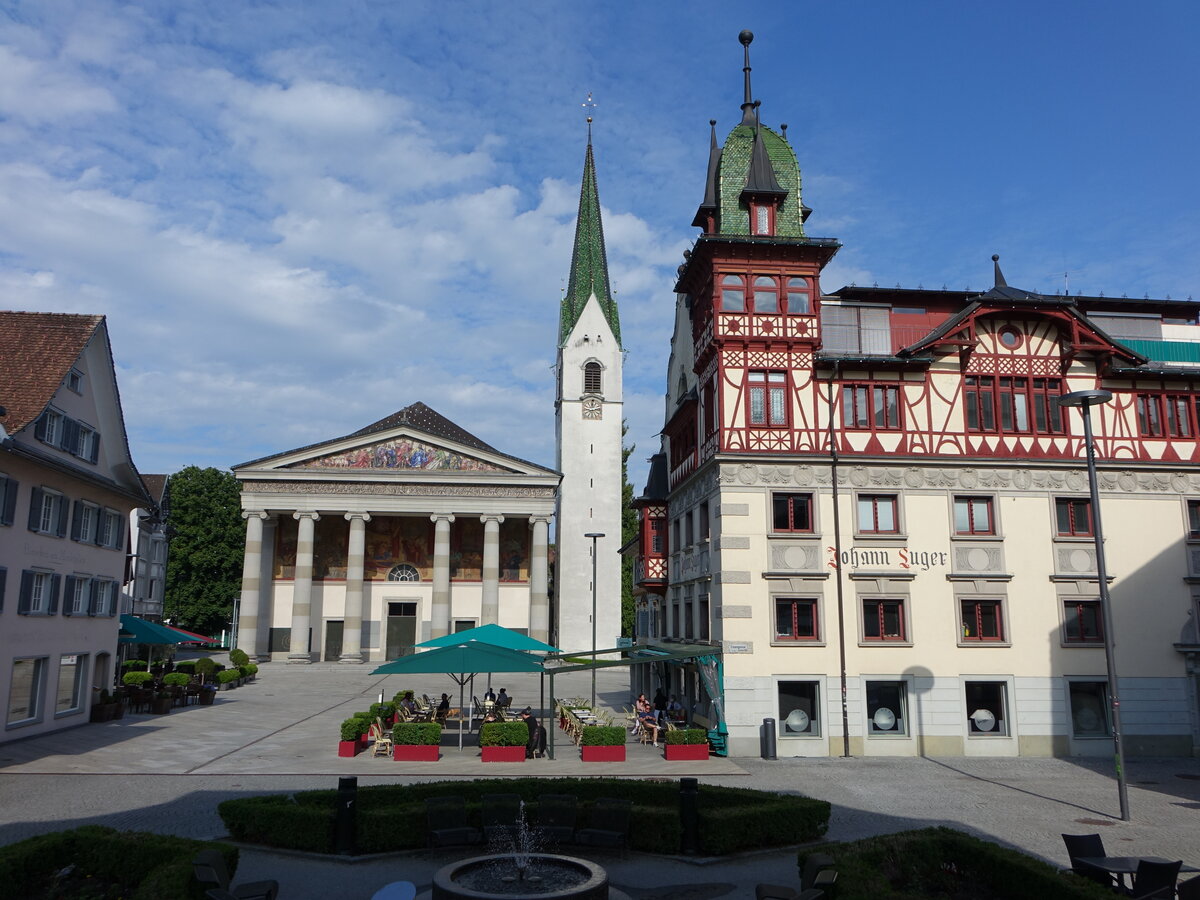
[
  {"x": 155, "y": 485},
  {"x": 36, "y": 352},
  {"x": 422, "y": 418},
  {"x": 589, "y": 263}
]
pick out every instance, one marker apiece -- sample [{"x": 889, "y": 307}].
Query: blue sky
[{"x": 300, "y": 218}]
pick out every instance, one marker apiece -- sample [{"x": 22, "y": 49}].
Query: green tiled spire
[{"x": 589, "y": 265}]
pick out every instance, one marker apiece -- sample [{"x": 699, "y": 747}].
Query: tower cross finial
[
  {"x": 745, "y": 38},
  {"x": 589, "y": 104}
]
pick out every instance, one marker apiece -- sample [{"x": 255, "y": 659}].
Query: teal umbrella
[
  {"x": 461, "y": 662},
  {"x": 140, "y": 631},
  {"x": 496, "y": 635}
]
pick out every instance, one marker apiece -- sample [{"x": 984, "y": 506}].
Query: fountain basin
[{"x": 559, "y": 878}]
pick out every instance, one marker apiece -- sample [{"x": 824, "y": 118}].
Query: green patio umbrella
[
  {"x": 496, "y": 635},
  {"x": 140, "y": 631},
  {"x": 461, "y": 662}
]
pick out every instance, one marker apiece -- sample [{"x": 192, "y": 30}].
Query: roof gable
[
  {"x": 37, "y": 350},
  {"x": 399, "y": 453}
]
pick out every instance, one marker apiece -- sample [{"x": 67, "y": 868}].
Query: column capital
[
  {"x": 351, "y": 516},
  {"x": 491, "y": 518},
  {"x": 299, "y": 514},
  {"x": 540, "y": 520},
  {"x": 254, "y": 514},
  {"x": 441, "y": 517}
]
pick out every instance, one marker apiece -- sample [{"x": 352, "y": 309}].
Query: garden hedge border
[{"x": 392, "y": 817}]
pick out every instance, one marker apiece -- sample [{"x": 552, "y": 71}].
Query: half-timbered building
[{"x": 875, "y": 503}]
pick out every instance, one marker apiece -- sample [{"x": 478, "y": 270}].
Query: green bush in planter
[
  {"x": 243, "y": 671},
  {"x": 366, "y": 716},
  {"x": 686, "y": 736},
  {"x": 176, "y": 678},
  {"x": 504, "y": 734},
  {"x": 383, "y": 710},
  {"x": 205, "y": 667},
  {"x": 602, "y": 736},
  {"x": 136, "y": 679},
  {"x": 238, "y": 657},
  {"x": 186, "y": 665},
  {"x": 352, "y": 728},
  {"x": 253, "y": 667},
  {"x": 400, "y": 695},
  {"x": 417, "y": 733},
  {"x": 225, "y": 676}
]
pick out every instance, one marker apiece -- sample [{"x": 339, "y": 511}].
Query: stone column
[
  {"x": 539, "y": 580},
  {"x": 352, "y": 624},
  {"x": 440, "y": 614},
  {"x": 248, "y": 614},
  {"x": 491, "y": 570},
  {"x": 302, "y": 588}
]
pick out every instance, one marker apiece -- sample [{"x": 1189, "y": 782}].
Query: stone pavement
[{"x": 279, "y": 734}]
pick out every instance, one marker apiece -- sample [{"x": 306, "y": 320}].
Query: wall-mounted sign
[{"x": 887, "y": 558}]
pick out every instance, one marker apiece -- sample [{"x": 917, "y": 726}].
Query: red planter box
[
  {"x": 686, "y": 751},
  {"x": 503, "y": 754},
  {"x": 348, "y": 748},
  {"x": 603, "y": 754},
  {"x": 415, "y": 752}
]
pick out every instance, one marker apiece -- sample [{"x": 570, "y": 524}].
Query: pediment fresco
[{"x": 401, "y": 453}]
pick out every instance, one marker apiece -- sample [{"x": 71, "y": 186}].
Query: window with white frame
[
  {"x": 74, "y": 381},
  {"x": 85, "y": 524},
  {"x": 103, "y": 597},
  {"x": 87, "y": 444},
  {"x": 986, "y": 709},
  {"x": 39, "y": 593},
  {"x": 72, "y": 670},
  {"x": 25, "y": 690},
  {"x": 49, "y": 428},
  {"x": 799, "y": 709},
  {"x": 887, "y": 708},
  {"x": 48, "y": 512},
  {"x": 77, "y": 595},
  {"x": 112, "y": 531}
]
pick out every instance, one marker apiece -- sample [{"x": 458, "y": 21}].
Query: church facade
[
  {"x": 359, "y": 547},
  {"x": 873, "y": 501}
]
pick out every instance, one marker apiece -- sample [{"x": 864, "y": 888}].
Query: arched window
[
  {"x": 404, "y": 572},
  {"x": 592, "y": 380}
]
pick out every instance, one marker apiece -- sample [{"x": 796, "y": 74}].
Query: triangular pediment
[{"x": 399, "y": 453}]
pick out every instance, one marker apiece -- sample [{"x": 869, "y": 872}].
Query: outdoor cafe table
[{"x": 1127, "y": 865}]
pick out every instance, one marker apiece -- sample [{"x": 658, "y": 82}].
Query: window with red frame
[
  {"x": 791, "y": 512},
  {"x": 658, "y": 535},
  {"x": 877, "y": 514},
  {"x": 762, "y": 218},
  {"x": 1013, "y": 405},
  {"x": 883, "y": 620},
  {"x": 710, "y": 410},
  {"x": 766, "y": 295},
  {"x": 973, "y": 515},
  {"x": 768, "y": 395},
  {"x": 875, "y": 407},
  {"x": 796, "y": 619},
  {"x": 982, "y": 620},
  {"x": 733, "y": 294},
  {"x": 1082, "y": 622},
  {"x": 1164, "y": 415},
  {"x": 1193, "y": 511},
  {"x": 1073, "y": 518},
  {"x": 683, "y": 442}
]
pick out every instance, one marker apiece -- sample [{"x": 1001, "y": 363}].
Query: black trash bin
[{"x": 766, "y": 738}]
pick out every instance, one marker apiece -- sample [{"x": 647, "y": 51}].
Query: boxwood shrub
[
  {"x": 417, "y": 733},
  {"x": 133, "y": 665},
  {"x": 383, "y": 710},
  {"x": 178, "y": 679},
  {"x": 602, "y": 736},
  {"x": 238, "y": 657},
  {"x": 187, "y": 666},
  {"x": 134, "y": 864},
  {"x": 686, "y": 736},
  {"x": 353, "y": 727},
  {"x": 503, "y": 734},
  {"x": 392, "y": 817},
  {"x": 225, "y": 676},
  {"x": 136, "y": 679}
]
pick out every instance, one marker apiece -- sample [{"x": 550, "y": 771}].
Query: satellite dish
[
  {"x": 797, "y": 720},
  {"x": 984, "y": 719},
  {"x": 884, "y": 719}
]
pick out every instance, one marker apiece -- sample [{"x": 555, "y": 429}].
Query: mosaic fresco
[{"x": 400, "y": 454}]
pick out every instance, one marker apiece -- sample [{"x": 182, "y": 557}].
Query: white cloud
[{"x": 38, "y": 91}]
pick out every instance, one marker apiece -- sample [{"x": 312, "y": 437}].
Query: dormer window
[
  {"x": 762, "y": 217},
  {"x": 74, "y": 381}
]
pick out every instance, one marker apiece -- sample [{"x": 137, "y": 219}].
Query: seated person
[
  {"x": 675, "y": 708},
  {"x": 443, "y": 708},
  {"x": 503, "y": 700},
  {"x": 490, "y": 696},
  {"x": 643, "y": 705},
  {"x": 649, "y": 721},
  {"x": 409, "y": 703}
]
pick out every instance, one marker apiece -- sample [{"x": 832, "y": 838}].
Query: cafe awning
[
  {"x": 495, "y": 635},
  {"x": 141, "y": 631}
]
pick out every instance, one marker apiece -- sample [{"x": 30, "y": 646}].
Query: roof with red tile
[
  {"x": 36, "y": 352},
  {"x": 155, "y": 485}
]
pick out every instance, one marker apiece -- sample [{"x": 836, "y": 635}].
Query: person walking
[{"x": 535, "y": 732}]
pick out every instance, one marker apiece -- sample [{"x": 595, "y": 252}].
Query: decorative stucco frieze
[
  {"x": 397, "y": 490},
  {"x": 979, "y": 558},
  {"x": 792, "y": 556},
  {"x": 1075, "y": 560}
]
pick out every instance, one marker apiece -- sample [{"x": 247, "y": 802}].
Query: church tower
[{"x": 588, "y": 418}]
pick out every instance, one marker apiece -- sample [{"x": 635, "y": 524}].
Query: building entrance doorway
[
  {"x": 401, "y": 629},
  {"x": 333, "y": 641}
]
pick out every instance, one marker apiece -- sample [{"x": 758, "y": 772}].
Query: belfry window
[{"x": 592, "y": 378}]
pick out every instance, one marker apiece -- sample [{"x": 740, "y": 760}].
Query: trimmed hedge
[
  {"x": 942, "y": 862},
  {"x": 179, "y": 679},
  {"x": 132, "y": 665},
  {"x": 136, "y": 679},
  {"x": 353, "y": 727},
  {"x": 142, "y": 866},
  {"x": 503, "y": 734},
  {"x": 187, "y": 666},
  {"x": 383, "y": 710},
  {"x": 686, "y": 736},
  {"x": 417, "y": 733},
  {"x": 238, "y": 657},
  {"x": 392, "y": 817},
  {"x": 602, "y": 736},
  {"x": 227, "y": 675}
]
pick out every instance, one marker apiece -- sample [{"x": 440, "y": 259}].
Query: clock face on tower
[{"x": 592, "y": 408}]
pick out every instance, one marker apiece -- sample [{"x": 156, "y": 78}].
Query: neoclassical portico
[{"x": 411, "y": 528}]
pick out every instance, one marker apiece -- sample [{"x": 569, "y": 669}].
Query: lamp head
[
  {"x": 1085, "y": 399},
  {"x": 594, "y": 534}
]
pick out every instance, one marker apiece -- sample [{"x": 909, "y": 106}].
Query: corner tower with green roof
[{"x": 588, "y": 415}]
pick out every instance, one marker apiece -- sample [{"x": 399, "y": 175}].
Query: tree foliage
[
  {"x": 204, "y": 565},
  {"x": 629, "y": 530}
]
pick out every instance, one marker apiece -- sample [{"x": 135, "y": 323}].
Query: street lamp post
[
  {"x": 1084, "y": 401},
  {"x": 595, "y": 536}
]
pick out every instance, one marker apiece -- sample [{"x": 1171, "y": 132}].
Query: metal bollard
[
  {"x": 347, "y": 815},
  {"x": 767, "y": 739},
  {"x": 689, "y": 815}
]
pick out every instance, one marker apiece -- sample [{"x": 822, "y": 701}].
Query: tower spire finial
[
  {"x": 999, "y": 276},
  {"x": 746, "y": 37},
  {"x": 589, "y": 104}
]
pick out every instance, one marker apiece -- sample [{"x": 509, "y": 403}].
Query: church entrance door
[
  {"x": 333, "y": 641},
  {"x": 401, "y": 629}
]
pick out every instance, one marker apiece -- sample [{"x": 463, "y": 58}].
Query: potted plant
[
  {"x": 208, "y": 693},
  {"x": 503, "y": 741},
  {"x": 227, "y": 679},
  {"x": 352, "y": 729},
  {"x": 367, "y": 721},
  {"x": 416, "y": 741},
  {"x": 686, "y": 743},
  {"x": 384, "y": 711},
  {"x": 136, "y": 679},
  {"x": 602, "y": 743},
  {"x": 205, "y": 668},
  {"x": 102, "y": 709},
  {"x": 252, "y": 668},
  {"x": 161, "y": 704}
]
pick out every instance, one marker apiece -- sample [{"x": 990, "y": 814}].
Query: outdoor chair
[
  {"x": 209, "y": 868},
  {"x": 817, "y": 879},
  {"x": 608, "y": 824},
  {"x": 1155, "y": 880},
  {"x": 500, "y": 815},
  {"x": 382, "y": 739},
  {"x": 556, "y": 815},
  {"x": 1080, "y": 845},
  {"x": 447, "y": 818},
  {"x": 1189, "y": 890}
]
